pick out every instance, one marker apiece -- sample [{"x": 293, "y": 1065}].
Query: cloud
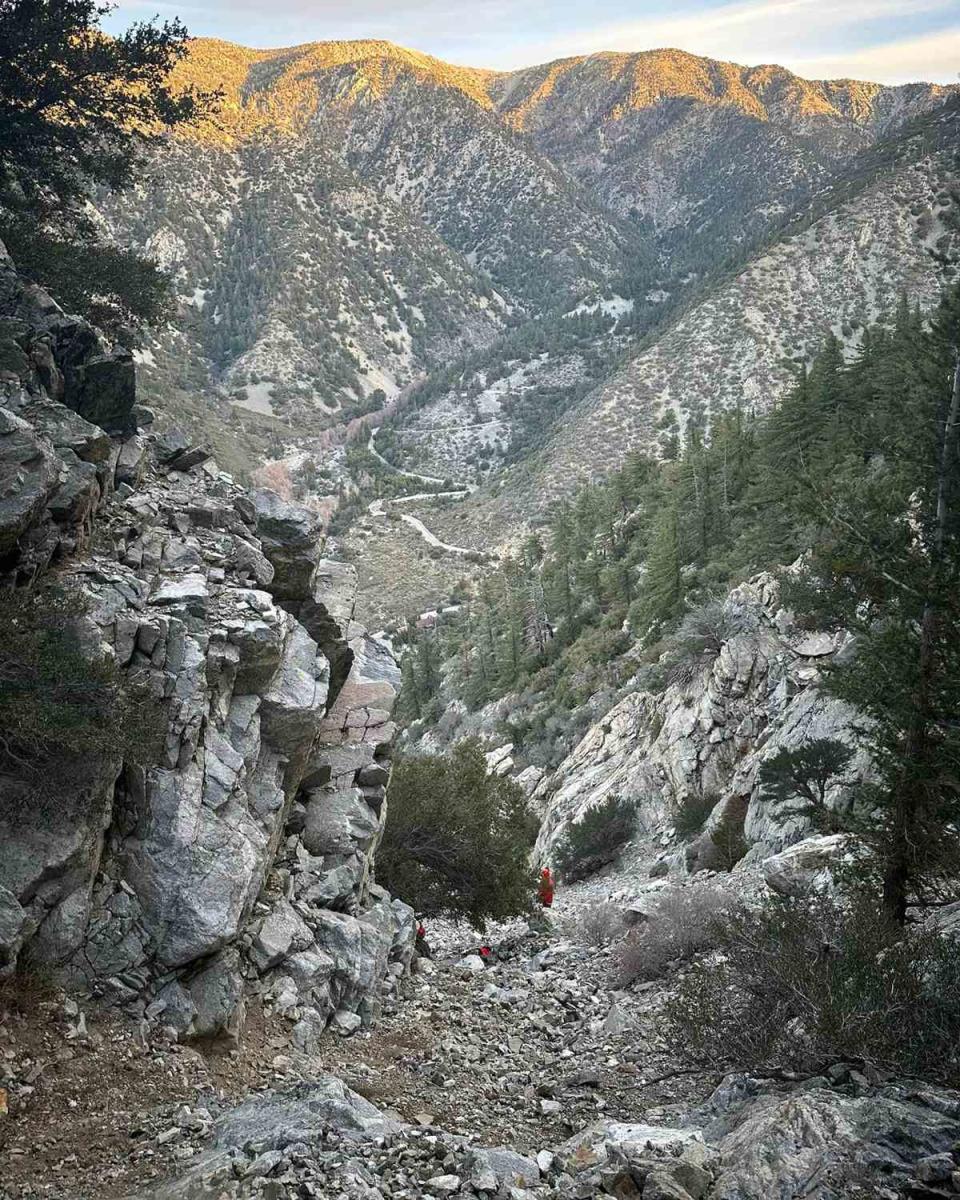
[
  {"x": 791, "y": 32},
  {"x": 884, "y": 40},
  {"x": 935, "y": 56}
]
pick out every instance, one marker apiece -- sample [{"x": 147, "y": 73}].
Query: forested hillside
[
  {"x": 621, "y": 589},
  {"x": 303, "y": 292},
  {"x": 886, "y": 226},
  {"x": 357, "y": 216},
  {"x": 709, "y": 154}
]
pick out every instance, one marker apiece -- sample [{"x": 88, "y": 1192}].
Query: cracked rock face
[
  {"x": 709, "y": 736},
  {"x": 239, "y": 860}
]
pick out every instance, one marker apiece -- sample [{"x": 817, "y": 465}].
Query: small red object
[
  {"x": 545, "y": 888},
  {"x": 485, "y": 951}
]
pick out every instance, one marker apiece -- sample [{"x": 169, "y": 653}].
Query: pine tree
[
  {"x": 77, "y": 108},
  {"x": 662, "y": 586},
  {"x": 887, "y": 566}
]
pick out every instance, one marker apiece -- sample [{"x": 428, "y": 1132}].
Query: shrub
[
  {"x": 683, "y": 924},
  {"x": 596, "y": 839},
  {"x": 729, "y": 839},
  {"x": 699, "y": 639},
  {"x": 25, "y": 990},
  {"x": 802, "y": 983},
  {"x": 690, "y": 813},
  {"x": 456, "y": 840},
  {"x": 802, "y": 775},
  {"x": 597, "y": 924},
  {"x": 59, "y": 696}
]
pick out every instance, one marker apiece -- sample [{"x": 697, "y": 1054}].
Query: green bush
[
  {"x": 596, "y": 839},
  {"x": 690, "y": 813},
  {"x": 801, "y": 984},
  {"x": 801, "y": 778},
  {"x": 59, "y": 696},
  {"x": 457, "y": 840}
]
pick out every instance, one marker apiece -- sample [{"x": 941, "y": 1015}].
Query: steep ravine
[
  {"x": 181, "y": 941},
  {"x": 234, "y": 869}
]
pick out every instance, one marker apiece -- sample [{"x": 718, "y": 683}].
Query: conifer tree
[
  {"x": 886, "y": 565},
  {"x": 662, "y": 582},
  {"x": 77, "y": 109}
]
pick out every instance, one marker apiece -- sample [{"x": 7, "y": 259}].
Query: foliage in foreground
[
  {"x": 456, "y": 840},
  {"x": 596, "y": 839},
  {"x": 886, "y": 567},
  {"x": 799, "y": 984},
  {"x": 77, "y": 109},
  {"x": 60, "y": 697}
]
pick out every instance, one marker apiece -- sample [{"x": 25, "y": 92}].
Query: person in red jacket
[{"x": 545, "y": 888}]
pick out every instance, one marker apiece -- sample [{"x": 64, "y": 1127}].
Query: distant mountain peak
[
  {"x": 280, "y": 89},
  {"x": 615, "y": 84},
  {"x": 276, "y": 88}
]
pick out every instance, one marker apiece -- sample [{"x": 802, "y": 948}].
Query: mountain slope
[
  {"x": 893, "y": 231},
  {"x": 427, "y": 134},
  {"x": 302, "y": 289},
  {"x": 701, "y": 150},
  {"x": 346, "y": 222}
]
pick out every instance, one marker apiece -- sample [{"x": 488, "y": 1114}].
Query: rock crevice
[{"x": 238, "y": 860}]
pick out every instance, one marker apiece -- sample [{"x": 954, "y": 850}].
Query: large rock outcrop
[
  {"x": 238, "y": 858},
  {"x": 706, "y": 736}
]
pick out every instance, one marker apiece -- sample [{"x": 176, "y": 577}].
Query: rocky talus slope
[
  {"x": 238, "y": 864},
  {"x": 535, "y": 1075}
]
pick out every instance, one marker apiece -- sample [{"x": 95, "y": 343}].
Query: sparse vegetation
[
  {"x": 802, "y": 984},
  {"x": 699, "y": 638},
  {"x": 596, "y": 839},
  {"x": 685, "y": 923},
  {"x": 61, "y": 693},
  {"x": 597, "y": 924}
]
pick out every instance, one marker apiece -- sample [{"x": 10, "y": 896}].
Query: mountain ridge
[{"x": 493, "y": 88}]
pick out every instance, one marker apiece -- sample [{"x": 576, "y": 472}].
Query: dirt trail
[{"x": 377, "y": 507}]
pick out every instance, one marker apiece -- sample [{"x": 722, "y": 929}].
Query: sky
[{"x": 889, "y": 41}]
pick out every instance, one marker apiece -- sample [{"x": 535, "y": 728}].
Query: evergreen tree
[
  {"x": 886, "y": 565},
  {"x": 77, "y": 108},
  {"x": 662, "y": 583}
]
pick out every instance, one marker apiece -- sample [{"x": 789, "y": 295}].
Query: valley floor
[
  {"x": 537, "y": 1054},
  {"x": 477, "y": 1054}
]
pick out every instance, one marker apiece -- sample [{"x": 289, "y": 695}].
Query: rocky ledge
[
  {"x": 239, "y": 862},
  {"x": 706, "y": 736}
]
